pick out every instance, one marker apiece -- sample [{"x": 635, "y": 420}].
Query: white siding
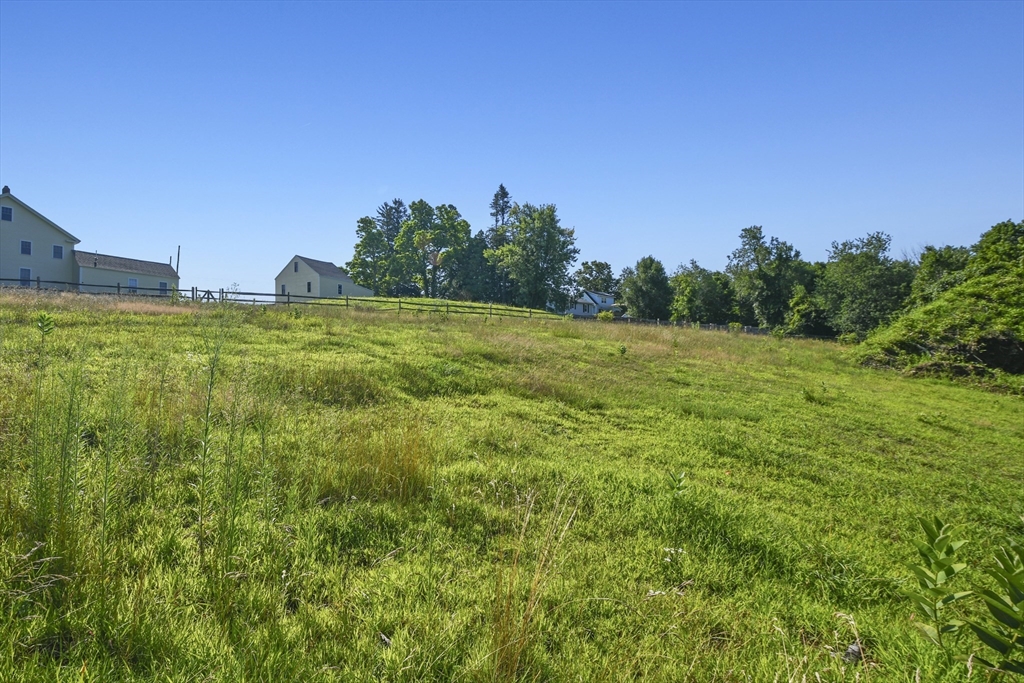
[
  {"x": 329, "y": 288},
  {"x": 25, "y": 225},
  {"x": 111, "y": 278},
  {"x": 295, "y": 282}
]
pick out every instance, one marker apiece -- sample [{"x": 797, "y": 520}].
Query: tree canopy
[
  {"x": 764, "y": 273},
  {"x": 700, "y": 295},
  {"x": 537, "y": 257},
  {"x": 596, "y": 276},
  {"x": 646, "y": 290}
]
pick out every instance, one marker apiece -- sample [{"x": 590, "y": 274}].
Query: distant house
[
  {"x": 306, "y": 277},
  {"x": 33, "y": 249},
  {"x": 589, "y": 304},
  {"x": 101, "y": 273},
  {"x": 36, "y": 252}
]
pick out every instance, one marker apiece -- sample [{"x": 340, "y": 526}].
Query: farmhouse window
[
  {"x": 26, "y": 247},
  {"x": 7, "y": 214},
  {"x": 163, "y": 288},
  {"x": 309, "y": 287},
  {"x": 133, "y": 284},
  {"x": 282, "y": 289},
  {"x": 339, "y": 289},
  {"x": 296, "y": 266},
  {"x": 58, "y": 251},
  {"x": 26, "y": 277}
]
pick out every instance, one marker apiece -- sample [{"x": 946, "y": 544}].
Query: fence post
[
  {"x": 119, "y": 289},
  {"x": 399, "y": 305},
  {"x": 530, "y": 314},
  {"x": 39, "y": 284},
  {"x": 221, "y": 295},
  {"x": 489, "y": 307},
  {"x": 289, "y": 302},
  {"x": 446, "y": 306},
  {"x": 346, "y": 301}
]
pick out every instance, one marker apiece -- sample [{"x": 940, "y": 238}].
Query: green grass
[
  {"x": 975, "y": 329},
  {"x": 237, "y": 493},
  {"x": 419, "y": 306}
]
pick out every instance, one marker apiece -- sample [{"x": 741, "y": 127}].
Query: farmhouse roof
[
  {"x": 325, "y": 268},
  {"x": 28, "y": 208},
  {"x": 125, "y": 265}
]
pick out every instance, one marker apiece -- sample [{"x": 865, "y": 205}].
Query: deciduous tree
[
  {"x": 596, "y": 276},
  {"x": 700, "y": 295},
  {"x": 537, "y": 257},
  {"x": 764, "y": 273},
  {"x": 646, "y": 290},
  {"x": 371, "y": 261},
  {"x": 863, "y": 286}
]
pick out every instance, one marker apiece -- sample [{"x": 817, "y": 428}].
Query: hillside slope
[
  {"x": 973, "y": 328},
  {"x": 235, "y": 493}
]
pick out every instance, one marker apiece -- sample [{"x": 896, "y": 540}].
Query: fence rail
[
  {"x": 200, "y": 295},
  {"x": 221, "y": 295}
]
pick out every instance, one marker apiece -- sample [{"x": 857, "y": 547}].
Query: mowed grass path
[{"x": 419, "y": 498}]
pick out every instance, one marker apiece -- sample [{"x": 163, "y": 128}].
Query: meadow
[{"x": 228, "y": 492}]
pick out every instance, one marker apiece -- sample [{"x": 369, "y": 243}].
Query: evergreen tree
[
  {"x": 500, "y": 286},
  {"x": 501, "y": 206},
  {"x": 390, "y": 218}
]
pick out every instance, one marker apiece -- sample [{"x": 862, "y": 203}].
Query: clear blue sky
[{"x": 247, "y": 132}]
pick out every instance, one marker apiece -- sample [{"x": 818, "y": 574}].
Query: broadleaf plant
[
  {"x": 932, "y": 594},
  {"x": 1003, "y": 631}
]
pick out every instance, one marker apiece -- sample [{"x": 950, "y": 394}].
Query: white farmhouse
[
  {"x": 589, "y": 304},
  {"x": 306, "y": 277},
  {"x": 33, "y": 249},
  {"x": 36, "y": 252}
]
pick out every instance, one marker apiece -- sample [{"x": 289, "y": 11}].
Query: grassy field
[
  {"x": 239, "y": 493},
  {"x": 421, "y": 305}
]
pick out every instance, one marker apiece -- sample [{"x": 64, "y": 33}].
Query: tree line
[
  {"x": 766, "y": 283},
  {"x": 525, "y": 258}
]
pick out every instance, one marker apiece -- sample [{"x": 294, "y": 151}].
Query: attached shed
[
  {"x": 306, "y": 277},
  {"x": 101, "y": 273}
]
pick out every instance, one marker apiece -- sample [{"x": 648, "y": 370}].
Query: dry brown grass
[
  {"x": 73, "y": 301},
  {"x": 514, "y": 618}
]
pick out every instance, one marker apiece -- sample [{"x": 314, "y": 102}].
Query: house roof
[
  {"x": 28, "y": 208},
  {"x": 125, "y": 265},
  {"x": 325, "y": 268}
]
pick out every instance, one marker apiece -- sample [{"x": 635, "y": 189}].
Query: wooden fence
[{"x": 221, "y": 295}]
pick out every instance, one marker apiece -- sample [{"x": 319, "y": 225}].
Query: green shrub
[{"x": 606, "y": 316}]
